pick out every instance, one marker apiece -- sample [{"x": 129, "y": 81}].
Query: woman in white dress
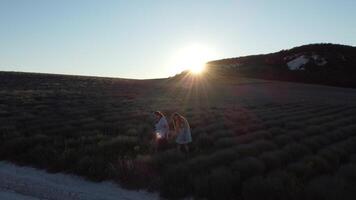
[
  {"x": 182, "y": 131},
  {"x": 162, "y": 130}
]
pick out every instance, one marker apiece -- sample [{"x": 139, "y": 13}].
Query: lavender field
[{"x": 252, "y": 139}]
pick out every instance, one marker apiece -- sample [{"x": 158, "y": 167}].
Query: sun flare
[
  {"x": 197, "y": 69},
  {"x": 192, "y": 58}
]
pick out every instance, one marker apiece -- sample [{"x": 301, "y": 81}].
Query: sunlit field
[{"x": 252, "y": 139}]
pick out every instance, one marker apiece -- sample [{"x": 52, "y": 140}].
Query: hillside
[{"x": 328, "y": 64}]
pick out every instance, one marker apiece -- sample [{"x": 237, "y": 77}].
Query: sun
[
  {"x": 193, "y": 58},
  {"x": 197, "y": 69}
]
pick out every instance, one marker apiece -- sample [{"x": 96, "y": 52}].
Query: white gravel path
[{"x": 26, "y": 183}]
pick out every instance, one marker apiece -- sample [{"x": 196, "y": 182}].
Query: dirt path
[{"x": 27, "y": 183}]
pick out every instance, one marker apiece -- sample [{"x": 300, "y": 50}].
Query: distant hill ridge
[{"x": 325, "y": 63}]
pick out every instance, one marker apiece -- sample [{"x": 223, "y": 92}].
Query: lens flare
[{"x": 193, "y": 58}]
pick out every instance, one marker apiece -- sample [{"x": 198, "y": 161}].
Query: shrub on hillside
[
  {"x": 322, "y": 140},
  {"x": 340, "y": 151},
  {"x": 264, "y": 145},
  {"x": 317, "y": 165},
  {"x": 8, "y": 132},
  {"x": 352, "y": 159},
  {"x": 176, "y": 182},
  {"x": 332, "y": 125},
  {"x": 14, "y": 147},
  {"x": 262, "y": 134},
  {"x": 222, "y": 133},
  {"x": 274, "y": 123},
  {"x": 315, "y": 130},
  {"x": 348, "y": 130},
  {"x": 223, "y": 157},
  {"x": 348, "y": 174},
  {"x": 162, "y": 159},
  {"x": 68, "y": 160},
  {"x": 293, "y": 125},
  {"x": 225, "y": 142},
  {"x": 312, "y": 144},
  {"x": 203, "y": 163},
  {"x": 241, "y": 130},
  {"x": 297, "y": 135},
  {"x": 118, "y": 146},
  {"x": 133, "y": 173},
  {"x": 296, "y": 150},
  {"x": 201, "y": 186},
  {"x": 255, "y": 126},
  {"x": 204, "y": 141},
  {"x": 276, "y": 187},
  {"x": 212, "y": 128},
  {"x": 132, "y": 132},
  {"x": 249, "y": 137},
  {"x": 221, "y": 182},
  {"x": 284, "y": 157},
  {"x": 248, "y": 167},
  {"x": 328, "y": 188},
  {"x": 331, "y": 157},
  {"x": 200, "y": 130},
  {"x": 315, "y": 121},
  {"x": 247, "y": 150},
  {"x": 41, "y": 155},
  {"x": 271, "y": 159},
  {"x": 199, "y": 164},
  {"x": 275, "y": 131},
  {"x": 282, "y": 140},
  {"x": 93, "y": 167},
  {"x": 334, "y": 135},
  {"x": 309, "y": 167},
  {"x": 298, "y": 169}
]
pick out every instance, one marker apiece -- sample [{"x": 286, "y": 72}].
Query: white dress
[
  {"x": 184, "y": 135},
  {"x": 162, "y": 128}
]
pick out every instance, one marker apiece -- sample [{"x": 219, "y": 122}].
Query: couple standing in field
[{"x": 181, "y": 131}]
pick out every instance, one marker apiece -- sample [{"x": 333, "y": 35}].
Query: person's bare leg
[
  {"x": 186, "y": 148},
  {"x": 152, "y": 146},
  {"x": 156, "y": 145}
]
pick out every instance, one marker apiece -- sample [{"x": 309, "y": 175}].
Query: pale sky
[{"x": 149, "y": 39}]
